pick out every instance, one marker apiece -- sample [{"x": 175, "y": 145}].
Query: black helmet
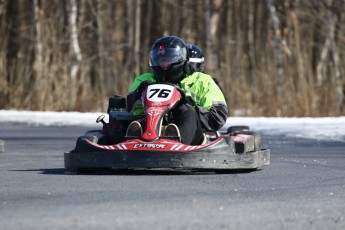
[
  {"x": 168, "y": 57},
  {"x": 196, "y": 57}
]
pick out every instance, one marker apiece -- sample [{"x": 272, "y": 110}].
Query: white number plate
[{"x": 159, "y": 92}]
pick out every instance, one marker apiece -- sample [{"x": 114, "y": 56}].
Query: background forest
[{"x": 272, "y": 57}]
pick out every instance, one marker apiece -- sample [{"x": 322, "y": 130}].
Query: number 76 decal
[
  {"x": 162, "y": 93},
  {"x": 159, "y": 92}
]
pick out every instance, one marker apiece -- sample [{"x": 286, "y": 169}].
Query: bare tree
[
  {"x": 137, "y": 35},
  {"x": 330, "y": 49},
  {"x": 134, "y": 7},
  {"x": 76, "y": 55},
  {"x": 4, "y": 89},
  {"x": 101, "y": 6},
  {"x": 251, "y": 44},
  {"x": 212, "y": 20},
  {"x": 76, "y": 52},
  {"x": 332, "y": 21},
  {"x": 277, "y": 48},
  {"x": 302, "y": 86},
  {"x": 38, "y": 65}
]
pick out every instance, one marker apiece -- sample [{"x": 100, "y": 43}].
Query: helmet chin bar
[{"x": 172, "y": 75}]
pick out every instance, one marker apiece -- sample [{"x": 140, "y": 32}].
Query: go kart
[{"x": 110, "y": 147}]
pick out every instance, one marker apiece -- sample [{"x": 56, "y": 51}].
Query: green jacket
[{"x": 209, "y": 99}]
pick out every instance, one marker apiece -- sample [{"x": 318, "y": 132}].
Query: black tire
[{"x": 232, "y": 129}]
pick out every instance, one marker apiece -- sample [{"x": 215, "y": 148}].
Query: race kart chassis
[
  {"x": 112, "y": 147},
  {"x": 239, "y": 149}
]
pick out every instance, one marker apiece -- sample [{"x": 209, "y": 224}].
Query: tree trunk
[
  {"x": 212, "y": 20},
  {"x": 4, "y": 89},
  {"x": 277, "y": 49},
  {"x": 101, "y": 51},
  {"x": 76, "y": 55},
  {"x": 137, "y": 35},
  {"x": 339, "y": 93},
  {"x": 40, "y": 83},
  {"x": 251, "y": 46}
]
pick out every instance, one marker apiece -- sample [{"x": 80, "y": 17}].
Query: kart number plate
[{"x": 159, "y": 92}]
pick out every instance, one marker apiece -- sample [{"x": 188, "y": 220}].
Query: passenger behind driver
[{"x": 197, "y": 60}]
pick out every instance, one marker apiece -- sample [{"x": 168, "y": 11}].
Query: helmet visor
[{"x": 167, "y": 57}]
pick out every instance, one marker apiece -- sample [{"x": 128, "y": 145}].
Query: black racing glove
[
  {"x": 136, "y": 95},
  {"x": 143, "y": 85},
  {"x": 188, "y": 100}
]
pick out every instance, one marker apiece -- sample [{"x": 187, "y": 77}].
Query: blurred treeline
[{"x": 272, "y": 57}]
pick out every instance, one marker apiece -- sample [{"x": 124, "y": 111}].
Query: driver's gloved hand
[
  {"x": 187, "y": 100},
  {"x": 141, "y": 88},
  {"x": 135, "y": 95}
]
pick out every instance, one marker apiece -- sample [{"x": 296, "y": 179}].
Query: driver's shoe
[
  {"x": 134, "y": 129},
  {"x": 172, "y": 130}
]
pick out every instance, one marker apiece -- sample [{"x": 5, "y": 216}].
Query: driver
[{"x": 204, "y": 109}]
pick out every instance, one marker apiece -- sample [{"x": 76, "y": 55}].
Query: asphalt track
[{"x": 303, "y": 188}]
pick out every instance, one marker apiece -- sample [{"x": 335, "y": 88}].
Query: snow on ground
[{"x": 325, "y": 128}]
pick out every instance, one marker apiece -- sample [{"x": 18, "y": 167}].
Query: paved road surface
[{"x": 303, "y": 188}]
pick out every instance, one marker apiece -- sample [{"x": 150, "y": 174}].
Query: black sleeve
[
  {"x": 131, "y": 99},
  {"x": 213, "y": 119}
]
